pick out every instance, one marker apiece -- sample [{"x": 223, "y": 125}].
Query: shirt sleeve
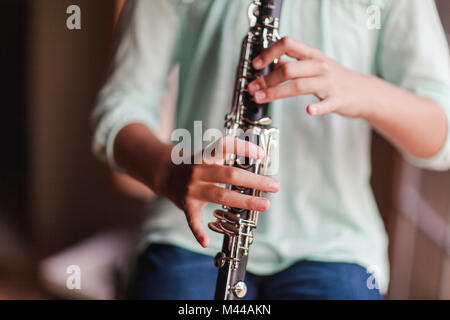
[
  {"x": 144, "y": 55},
  {"x": 414, "y": 55}
]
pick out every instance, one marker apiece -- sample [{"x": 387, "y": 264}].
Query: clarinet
[{"x": 251, "y": 122}]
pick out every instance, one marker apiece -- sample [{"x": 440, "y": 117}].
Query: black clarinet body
[{"x": 249, "y": 121}]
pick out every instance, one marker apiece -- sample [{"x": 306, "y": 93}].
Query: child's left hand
[{"x": 338, "y": 88}]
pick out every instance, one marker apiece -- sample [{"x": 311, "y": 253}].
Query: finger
[
  {"x": 292, "y": 88},
  {"x": 288, "y": 46},
  {"x": 238, "y": 177},
  {"x": 212, "y": 193},
  {"x": 217, "y": 151},
  {"x": 195, "y": 222},
  {"x": 289, "y": 71},
  {"x": 240, "y": 147},
  {"x": 320, "y": 108}
]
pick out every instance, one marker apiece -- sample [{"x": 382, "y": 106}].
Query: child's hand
[
  {"x": 338, "y": 88},
  {"x": 191, "y": 187}
]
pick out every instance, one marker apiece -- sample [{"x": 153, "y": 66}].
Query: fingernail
[
  {"x": 274, "y": 185},
  {"x": 257, "y": 63},
  {"x": 262, "y": 204},
  {"x": 313, "y": 110},
  {"x": 260, "y": 95},
  {"x": 253, "y": 87},
  {"x": 206, "y": 243}
]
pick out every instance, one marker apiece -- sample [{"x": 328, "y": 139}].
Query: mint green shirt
[{"x": 325, "y": 210}]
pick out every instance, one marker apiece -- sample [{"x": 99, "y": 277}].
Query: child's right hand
[{"x": 192, "y": 186}]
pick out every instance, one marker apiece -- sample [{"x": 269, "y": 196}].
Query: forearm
[
  {"x": 414, "y": 124},
  {"x": 142, "y": 155}
]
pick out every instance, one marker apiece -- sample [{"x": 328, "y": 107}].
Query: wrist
[
  {"x": 142, "y": 155},
  {"x": 159, "y": 172},
  {"x": 368, "y": 96}
]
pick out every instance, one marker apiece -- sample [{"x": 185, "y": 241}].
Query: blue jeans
[{"x": 165, "y": 272}]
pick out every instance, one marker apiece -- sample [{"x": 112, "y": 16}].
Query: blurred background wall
[
  {"x": 54, "y": 194},
  {"x": 69, "y": 193}
]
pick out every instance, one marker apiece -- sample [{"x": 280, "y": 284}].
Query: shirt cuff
[
  {"x": 441, "y": 160},
  {"x": 111, "y": 124}
]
